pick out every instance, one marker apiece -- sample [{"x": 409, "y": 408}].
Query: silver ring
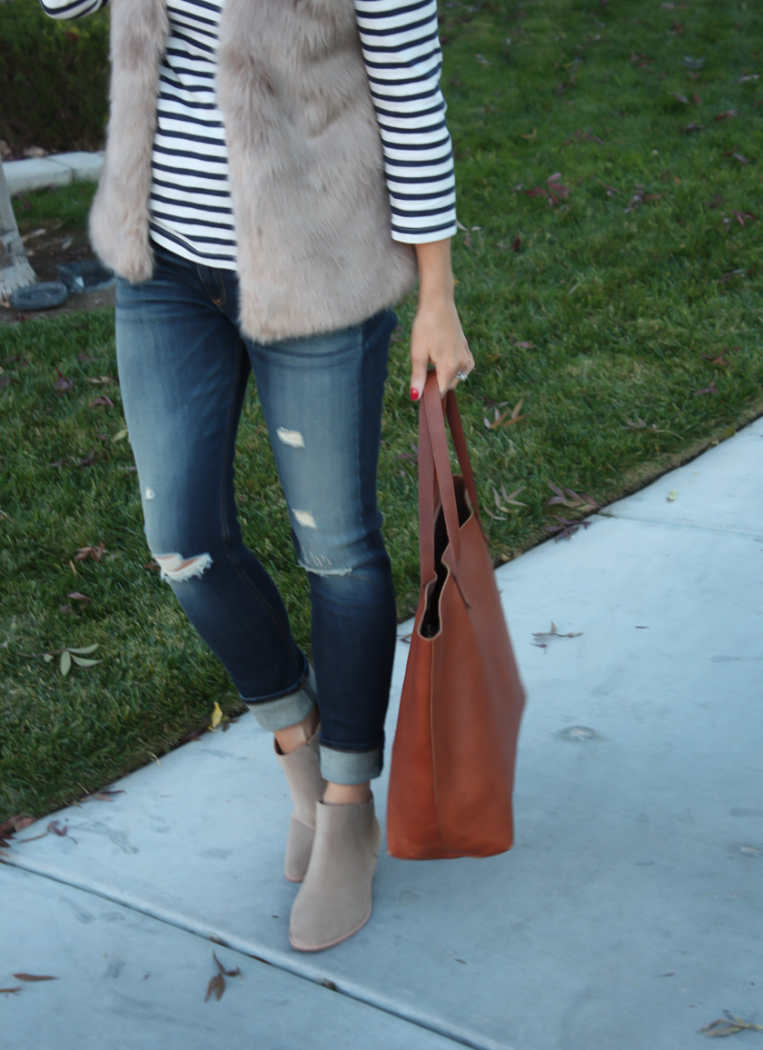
[{"x": 462, "y": 375}]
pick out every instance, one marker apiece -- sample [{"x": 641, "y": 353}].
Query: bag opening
[{"x": 430, "y": 621}]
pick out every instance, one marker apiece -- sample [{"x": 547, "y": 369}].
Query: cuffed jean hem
[
  {"x": 288, "y": 710},
  {"x": 350, "y": 767}
]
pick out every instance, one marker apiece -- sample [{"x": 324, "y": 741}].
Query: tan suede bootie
[
  {"x": 303, "y": 774},
  {"x": 335, "y": 898}
]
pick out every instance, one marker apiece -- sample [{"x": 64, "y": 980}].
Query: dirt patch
[{"x": 45, "y": 249}]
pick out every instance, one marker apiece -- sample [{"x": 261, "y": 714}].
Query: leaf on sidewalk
[
  {"x": 215, "y": 987},
  {"x": 672, "y": 496},
  {"x": 10, "y": 991},
  {"x": 729, "y": 1026},
  {"x": 217, "y": 717},
  {"x": 33, "y": 977},
  {"x": 226, "y": 973},
  {"x": 553, "y": 633}
]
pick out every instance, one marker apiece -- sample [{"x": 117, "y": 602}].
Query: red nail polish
[{"x": 414, "y": 394}]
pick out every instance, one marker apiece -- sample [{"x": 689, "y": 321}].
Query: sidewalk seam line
[{"x": 281, "y": 961}]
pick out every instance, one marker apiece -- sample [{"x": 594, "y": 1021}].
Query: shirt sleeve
[
  {"x": 401, "y": 48},
  {"x": 70, "y": 9}
]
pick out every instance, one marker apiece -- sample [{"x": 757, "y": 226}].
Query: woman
[{"x": 244, "y": 206}]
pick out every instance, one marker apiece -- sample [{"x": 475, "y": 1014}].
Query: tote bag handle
[{"x": 435, "y": 472}]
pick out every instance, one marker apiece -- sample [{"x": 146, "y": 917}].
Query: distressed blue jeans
[{"x": 183, "y": 368}]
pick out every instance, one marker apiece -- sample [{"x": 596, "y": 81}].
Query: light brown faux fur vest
[{"x": 310, "y": 205}]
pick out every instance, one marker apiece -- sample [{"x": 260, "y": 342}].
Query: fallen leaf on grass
[
  {"x": 516, "y": 244},
  {"x": 694, "y": 127},
  {"x": 565, "y": 529},
  {"x": 706, "y": 390},
  {"x": 750, "y": 76},
  {"x": 737, "y": 156},
  {"x": 120, "y": 434},
  {"x": 505, "y": 501},
  {"x": 413, "y": 457},
  {"x": 89, "y": 459},
  {"x": 77, "y": 597},
  {"x": 571, "y": 499},
  {"x": 15, "y": 824},
  {"x": 726, "y": 115},
  {"x": 102, "y": 380},
  {"x": 553, "y": 633},
  {"x": 741, "y": 216},
  {"x": 731, "y": 1026},
  {"x": 721, "y": 359},
  {"x": 32, "y": 977},
  {"x": 532, "y": 136},
  {"x": 96, "y": 553},
  {"x": 502, "y": 421},
  {"x": 62, "y": 385},
  {"x": 680, "y": 98},
  {"x": 731, "y": 275},
  {"x": 103, "y": 401},
  {"x": 215, "y": 987},
  {"x": 640, "y": 424}
]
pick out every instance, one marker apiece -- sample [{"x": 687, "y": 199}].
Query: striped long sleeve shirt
[{"x": 190, "y": 198}]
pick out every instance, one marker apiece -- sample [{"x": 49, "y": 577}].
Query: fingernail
[{"x": 414, "y": 394}]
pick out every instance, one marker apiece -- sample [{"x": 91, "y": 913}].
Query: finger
[
  {"x": 418, "y": 376},
  {"x": 446, "y": 379}
]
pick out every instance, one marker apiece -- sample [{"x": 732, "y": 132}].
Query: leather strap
[{"x": 435, "y": 473}]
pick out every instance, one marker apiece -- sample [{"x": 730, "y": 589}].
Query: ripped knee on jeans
[{"x": 174, "y": 567}]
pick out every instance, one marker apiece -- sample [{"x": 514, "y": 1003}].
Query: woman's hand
[{"x": 437, "y": 335}]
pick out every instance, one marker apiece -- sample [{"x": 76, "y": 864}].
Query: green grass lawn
[{"x": 609, "y": 279}]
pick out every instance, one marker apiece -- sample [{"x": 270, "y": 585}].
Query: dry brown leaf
[
  {"x": 215, "y": 987},
  {"x": 226, "y": 973},
  {"x": 32, "y": 977}
]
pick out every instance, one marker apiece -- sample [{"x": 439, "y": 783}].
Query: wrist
[{"x": 437, "y": 295}]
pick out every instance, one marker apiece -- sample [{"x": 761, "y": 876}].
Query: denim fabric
[{"x": 183, "y": 367}]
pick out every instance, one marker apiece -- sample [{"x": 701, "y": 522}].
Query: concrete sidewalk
[
  {"x": 627, "y": 916},
  {"x": 57, "y": 169}
]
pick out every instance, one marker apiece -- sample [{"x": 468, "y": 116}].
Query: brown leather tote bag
[{"x": 452, "y": 769}]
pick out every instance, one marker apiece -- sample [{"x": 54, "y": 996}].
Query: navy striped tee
[{"x": 190, "y": 197}]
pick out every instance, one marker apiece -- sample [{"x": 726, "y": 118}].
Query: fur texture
[{"x": 306, "y": 170}]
